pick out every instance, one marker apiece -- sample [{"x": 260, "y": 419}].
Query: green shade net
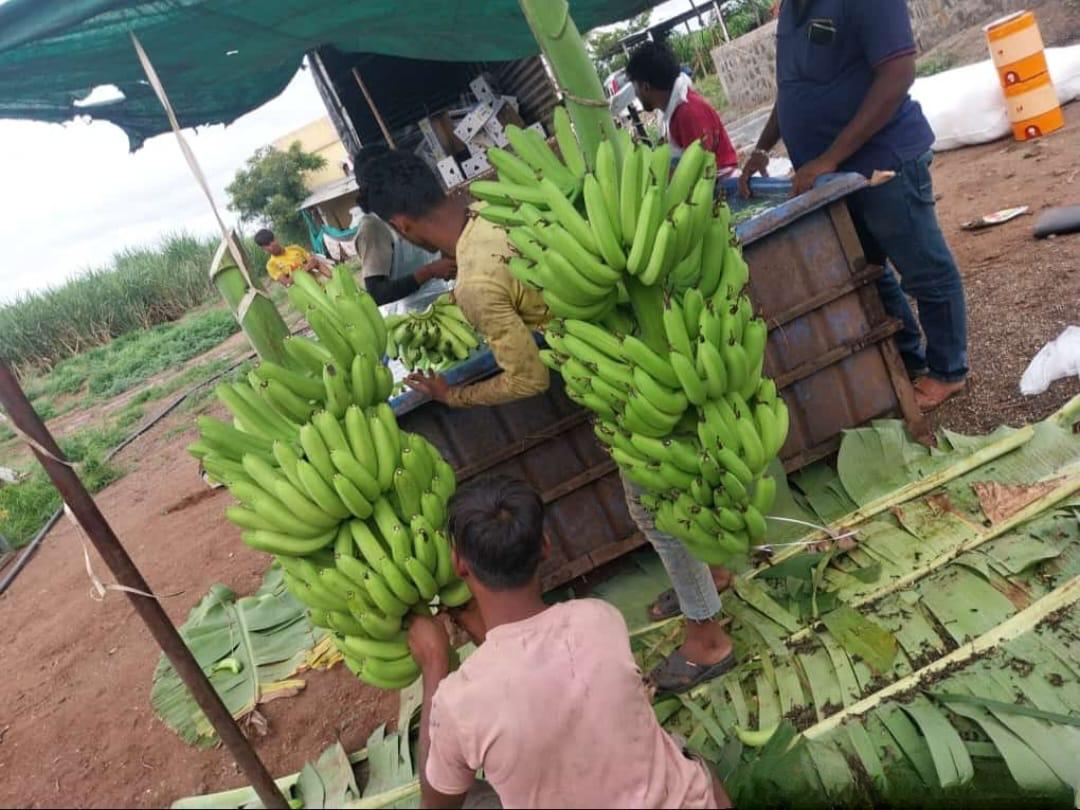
[{"x": 220, "y": 59}]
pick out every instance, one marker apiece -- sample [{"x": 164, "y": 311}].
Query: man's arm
[
  {"x": 892, "y": 80},
  {"x": 758, "y": 162},
  {"x": 430, "y": 647}
]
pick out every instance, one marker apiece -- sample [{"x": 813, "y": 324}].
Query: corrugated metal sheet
[{"x": 548, "y": 441}]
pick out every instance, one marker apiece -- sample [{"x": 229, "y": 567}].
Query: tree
[
  {"x": 270, "y": 187},
  {"x": 604, "y": 44}
]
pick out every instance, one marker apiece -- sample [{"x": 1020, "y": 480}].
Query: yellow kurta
[{"x": 504, "y": 311}]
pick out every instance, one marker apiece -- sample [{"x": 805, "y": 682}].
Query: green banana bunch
[
  {"x": 353, "y": 509},
  {"x": 434, "y": 339},
  {"x": 678, "y": 389}
]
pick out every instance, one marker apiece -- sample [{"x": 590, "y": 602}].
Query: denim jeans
[
  {"x": 691, "y": 578},
  {"x": 897, "y": 225}
]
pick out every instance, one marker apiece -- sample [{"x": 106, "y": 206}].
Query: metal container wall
[
  {"x": 548, "y": 441},
  {"x": 830, "y": 349}
]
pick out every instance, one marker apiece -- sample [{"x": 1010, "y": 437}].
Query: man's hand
[
  {"x": 810, "y": 172},
  {"x": 469, "y": 619},
  {"x": 757, "y": 163},
  {"x": 440, "y": 268},
  {"x": 432, "y": 384},
  {"x": 429, "y": 644}
]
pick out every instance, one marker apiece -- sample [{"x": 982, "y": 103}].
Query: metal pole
[
  {"x": 73, "y": 492},
  {"x": 375, "y": 110}
]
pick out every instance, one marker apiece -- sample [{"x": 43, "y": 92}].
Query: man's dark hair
[
  {"x": 263, "y": 237},
  {"x": 655, "y": 63},
  {"x": 395, "y": 183},
  {"x": 497, "y": 526}
]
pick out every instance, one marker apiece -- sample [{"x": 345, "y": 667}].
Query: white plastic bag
[
  {"x": 1056, "y": 360},
  {"x": 966, "y": 105}
]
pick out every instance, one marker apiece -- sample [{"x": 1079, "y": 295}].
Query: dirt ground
[
  {"x": 76, "y": 727},
  {"x": 1021, "y": 291}
]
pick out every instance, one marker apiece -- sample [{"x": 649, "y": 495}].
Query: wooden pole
[
  {"x": 88, "y": 515},
  {"x": 374, "y": 110},
  {"x": 720, "y": 19}
]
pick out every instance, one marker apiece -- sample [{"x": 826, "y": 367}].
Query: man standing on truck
[
  {"x": 404, "y": 192},
  {"x": 284, "y": 261},
  {"x": 687, "y": 117},
  {"x": 392, "y": 268},
  {"x": 843, "y": 72},
  {"x": 551, "y": 705}
]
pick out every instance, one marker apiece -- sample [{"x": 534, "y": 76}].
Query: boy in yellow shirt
[{"x": 284, "y": 261}]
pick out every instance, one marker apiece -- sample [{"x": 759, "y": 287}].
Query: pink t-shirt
[{"x": 554, "y": 710}]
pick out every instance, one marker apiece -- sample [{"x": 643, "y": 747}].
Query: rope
[
  {"x": 193, "y": 163},
  {"x": 98, "y": 588},
  {"x": 580, "y": 100}
]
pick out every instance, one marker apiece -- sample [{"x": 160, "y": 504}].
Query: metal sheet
[{"x": 548, "y": 441}]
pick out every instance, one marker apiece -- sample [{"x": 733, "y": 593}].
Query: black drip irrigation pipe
[{"x": 32, "y": 546}]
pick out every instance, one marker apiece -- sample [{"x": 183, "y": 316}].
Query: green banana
[
  {"x": 316, "y": 450},
  {"x": 568, "y": 144},
  {"x": 675, "y": 329},
  {"x": 455, "y": 594},
  {"x": 711, "y": 362},
  {"x": 752, "y": 449},
  {"x": 511, "y": 168},
  {"x": 286, "y": 545},
  {"x": 321, "y": 492},
  {"x": 306, "y": 353},
  {"x": 730, "y": 461},
  {"x": 382, "y": 628},
  {"x": 370, "y": 648},
  {"x": 384, "y": 452},
  {"x": 607, "y": 176},
  {"x": 629, "y": 196},
  {"x": 248, "y": 519},
  {"x": 755, "y": 523},
  {"x": 764, "y": 494},
  {"x": 637, "y": 353},
  {"x": 383, "y": 597},
  {"x": 423, "y": 580},
  {"x": 301, "y": 385},
  {"x": 357, "y": 474},
  {"x": 408, "y": 492},
  {"x": 354, "y": 501},
  {"x": 661, "y": 255},
  {"x": 394, "y": 533},
  {"x": 338, "y": 397},
  {"x": 567, "y": 216},
  {"x": 689, "y": 380},
  {"x": 687, "y": 173},
  {"x": 649, "y": 220},
  {"x": 663, "y": 398}
]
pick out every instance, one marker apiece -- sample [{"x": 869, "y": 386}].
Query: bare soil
[
  {"x": 76, "y": 727},
  {"x": 1021, "y": 291}
]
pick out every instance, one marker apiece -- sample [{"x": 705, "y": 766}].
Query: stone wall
[{"x": 747, "y": 65}]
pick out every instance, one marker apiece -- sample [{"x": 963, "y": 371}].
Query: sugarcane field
[{"x": 540, "y": 403}]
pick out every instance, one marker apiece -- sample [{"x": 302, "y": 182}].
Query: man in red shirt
[{"x": 661, "y": 85}]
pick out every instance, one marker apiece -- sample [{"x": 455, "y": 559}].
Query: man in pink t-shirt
[{"x": 551, "y": 706}]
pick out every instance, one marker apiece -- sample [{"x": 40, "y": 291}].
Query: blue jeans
[
  {"x": 691, "y": 578},
  {"x": 897, "y": 224}
]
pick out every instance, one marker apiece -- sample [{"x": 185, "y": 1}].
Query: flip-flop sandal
[
  {"x": 665, "y": 606},
  {"x": 676, "y": 674}
]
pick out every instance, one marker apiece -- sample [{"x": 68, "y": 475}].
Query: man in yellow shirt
[
  {"x": 284, "y": 261},
  {"x": 402, "y": 190}
]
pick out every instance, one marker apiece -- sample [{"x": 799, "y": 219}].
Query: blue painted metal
[{"x": 828, "y": 189}]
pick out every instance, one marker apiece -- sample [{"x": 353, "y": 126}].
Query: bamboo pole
[
  {"x": 374, "y": 110},
  {"x": 575, "y": 74},
  {"x": 146, "y": 605}
]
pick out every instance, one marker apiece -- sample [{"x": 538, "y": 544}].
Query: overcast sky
[{"x": 75, "y": 195}]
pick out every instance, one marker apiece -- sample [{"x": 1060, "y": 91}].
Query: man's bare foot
[
  {"x": 722, "y": 578},
  {"x": 706, "y": 642},
  {"x": 931, "y": 393}
]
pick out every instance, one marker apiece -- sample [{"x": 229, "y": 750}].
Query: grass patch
[
  {"x": 935, "y": 63},
  {"x": 24, "y": 508},
  {"x": 712, "y": 91},
  {"x": 140, "y": 288},
  {"x": 106, "y": 371}
]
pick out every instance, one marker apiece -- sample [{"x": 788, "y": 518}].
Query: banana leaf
[
  {"x": 947, "y": 671},
  {"x": 252, "y": 648}
]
